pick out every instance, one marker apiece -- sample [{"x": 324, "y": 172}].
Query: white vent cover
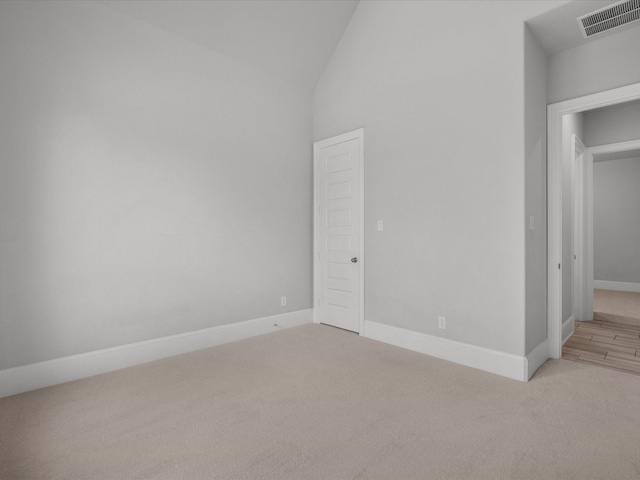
[{"x": 610, "y": 17}]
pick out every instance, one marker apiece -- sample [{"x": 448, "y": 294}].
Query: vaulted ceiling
[{"x": 292, "y": 40}]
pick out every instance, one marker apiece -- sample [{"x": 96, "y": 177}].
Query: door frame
[
  {"x": 591, "y": 152},
  {"x": 345, "y": 137},
  {"x": 555, "y": 112}
]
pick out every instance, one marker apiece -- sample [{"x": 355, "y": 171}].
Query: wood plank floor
[{"x": 609, "y": 341}]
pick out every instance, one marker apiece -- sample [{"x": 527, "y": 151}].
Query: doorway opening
[
  {"x": 559, "y": 261},
  {"x": 608, "y": 333}
]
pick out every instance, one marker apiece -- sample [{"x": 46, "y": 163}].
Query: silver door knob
[{"x": 354, "y": 260}]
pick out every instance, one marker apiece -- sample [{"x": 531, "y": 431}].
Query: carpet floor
[
  {"x": 613, "y": 302},
  {"x": 314, "y": 402}
]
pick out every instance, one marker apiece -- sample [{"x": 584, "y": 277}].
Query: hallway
[{"x": 612, "y": 339}]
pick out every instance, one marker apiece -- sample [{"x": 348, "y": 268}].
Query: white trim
[
  {"x": 568, "y": 327},
  {"x": 362, "y": 251},
  {"x": 493, "y": 361},
  {"x": 345, "y": 137},
  {"x": 52, "y": 372},
  {"x": 615, "y": 147},
  {"x": 537, "y": 357},
  {"x": 555, "y": 112},
  {"x": 619, "y": 286}
]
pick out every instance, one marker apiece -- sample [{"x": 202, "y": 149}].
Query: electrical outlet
[
  {"x": 283, "y": 301},
  {"x": 442, "y": 323}
]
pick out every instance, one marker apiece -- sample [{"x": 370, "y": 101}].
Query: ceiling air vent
[{"x": 610, "y": 17}]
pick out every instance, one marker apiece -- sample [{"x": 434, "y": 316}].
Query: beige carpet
[
  {"x": 620, "y": 304},
  {"x": 318, "y": 402}
]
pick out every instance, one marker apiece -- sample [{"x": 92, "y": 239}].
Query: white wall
[
  {"x": 441, "y": 98},
  {"x": 616, "y": 220},
  {"x": 148, "y": 186},
  {"x": 535, "y": 191},
  {"x": 571, "y": 124},
  {"x": 607, "y": 63},
  {"x": 619, "y": 123}
]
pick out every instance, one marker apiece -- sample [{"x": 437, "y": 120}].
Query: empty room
[{"x": 294, "y": 239}]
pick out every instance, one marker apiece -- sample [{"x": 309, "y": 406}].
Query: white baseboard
[
  {"x": 567, "y": 329},
  {"x": 537, "y": 357},
  {"x": 620, "y": 286},
  {"x": 52, "y": 372},
  {"x": 493, "y": 361}
]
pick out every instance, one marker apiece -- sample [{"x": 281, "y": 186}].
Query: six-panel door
[{"x": 339, "y": 235}]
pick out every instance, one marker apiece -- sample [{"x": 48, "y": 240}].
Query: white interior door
[
  {"x": 578, "y": 231},
  {"x": 338, "y": 273}
]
